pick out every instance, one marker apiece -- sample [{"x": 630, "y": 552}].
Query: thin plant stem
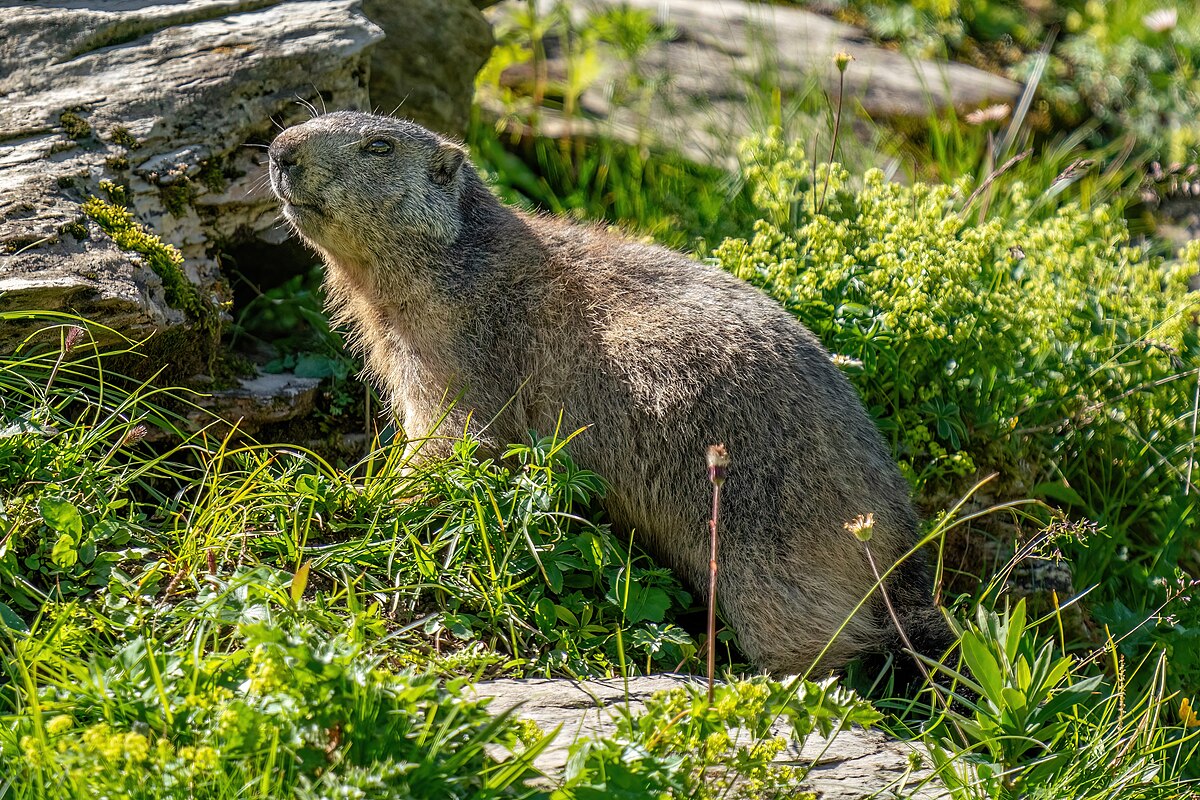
[
  {"x": 1187, "y": 488},
  {"x": 887, "y": 601},
  {"x": 718, "y": 461},
  {"x": 539, "y": 63},
  {"x": 712, "y": 591},
  {"x": 837, "y": 124},
  {"x": 70, "y": 338}
]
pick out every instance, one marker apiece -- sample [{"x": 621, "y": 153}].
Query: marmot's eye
[{"x": 380, "y": 147}]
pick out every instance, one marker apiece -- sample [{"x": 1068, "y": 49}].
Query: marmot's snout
[
  {"x": 286, "y": 168},
  {"x": 294, "y": 166}
]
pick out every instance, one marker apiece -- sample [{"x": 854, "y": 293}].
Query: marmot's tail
[
  {"x": 926, "y": 630},
  {"x": 925, "y": 627}
]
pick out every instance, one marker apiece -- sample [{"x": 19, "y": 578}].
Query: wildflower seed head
[
  {"x": 861, "y": 526},
  {"x": 718, "y": 462},
  {"x": 74, "y": 334},
  {"x": 994, "y": 113},
  {"x": 134, "y": 435},
  {"x": 1064, "y": 530}
]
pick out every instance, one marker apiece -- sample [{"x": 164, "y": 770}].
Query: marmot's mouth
[
  {"x": 284, "y": 192},
  {"x": 300, "y": 208}
]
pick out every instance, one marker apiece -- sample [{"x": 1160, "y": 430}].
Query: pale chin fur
[{"x": 302, "y": 218}]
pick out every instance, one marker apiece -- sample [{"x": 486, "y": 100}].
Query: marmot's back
[
  {"x": 683, "y": 355},
  {"x": 450, "y": 294}
]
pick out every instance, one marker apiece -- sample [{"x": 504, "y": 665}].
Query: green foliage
[
  {"x": 684, "y": 746},
  {"x": 680, "y": 204},
  {"x": 946, "y": 321},
  {"x": 489, "y": 559},
  {"x": 212, "y": 174},
  {"x": 1024, "y": 694},
  {"x": 70, "y": 465},
  {"x": 248, "y": 689},
  {"x": 289, "y": 317},
  {"x": 289, "y": 321},
  {"x": 481, "y": 561},
  {"x": 261, "y": 703},
  {"x": 117, "y": 193},
  {"x": 1040, "y": 343},
  {"x": 1034, "y": 724}
]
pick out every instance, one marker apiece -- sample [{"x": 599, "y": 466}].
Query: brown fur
[{"x": 450, "y": 294}]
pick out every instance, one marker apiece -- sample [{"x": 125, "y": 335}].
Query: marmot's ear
[{"x": 446, "y": 162}]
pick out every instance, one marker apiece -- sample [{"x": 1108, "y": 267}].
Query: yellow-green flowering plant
[{"x": 1012, "y": 341}]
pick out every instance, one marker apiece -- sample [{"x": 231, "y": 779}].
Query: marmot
[{"x": 451, "y": 295}]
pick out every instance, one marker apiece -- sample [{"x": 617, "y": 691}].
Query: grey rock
[
  {"x": 724, "y": 49},
  {"x": 264, "y": 399},
  {"x": 162, "y": 99},
  {"x": 425, "y": 67},
  {"x": 853, "y": 764}
]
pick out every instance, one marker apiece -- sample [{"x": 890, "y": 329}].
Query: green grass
[
  {"x": 265, "y": 625},
  {"x": 474, "y": 562},
  {"x": 223, "y": 620}
]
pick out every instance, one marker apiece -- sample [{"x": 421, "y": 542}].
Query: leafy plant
[
  {"x": 937, "y": 313},
  {"x": 1033, "y": 723},
  {"x": 479, "y": 553},
  {"x": 70, "y": 462},
  {"x": 277, "y": 708},
  {"x": 684, "y": 746}
]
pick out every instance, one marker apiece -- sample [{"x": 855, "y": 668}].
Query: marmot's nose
[{"x": 285, "y": 154}]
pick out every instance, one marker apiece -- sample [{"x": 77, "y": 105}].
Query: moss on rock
[
  {"x": 165, "y": 260},
  {"x": 177, "y": 197},
  {"x": 120, "y": 135},
  {"x": 74, "y": 125}
]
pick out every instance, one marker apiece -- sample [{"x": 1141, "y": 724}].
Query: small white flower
[
  {"x": 861, "y": 526},
  {"x": 844, "y": 361},
  {"x": 1162, "y": 20}
]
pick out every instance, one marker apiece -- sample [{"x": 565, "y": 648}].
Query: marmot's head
[{"x": 351, "y": 183}]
